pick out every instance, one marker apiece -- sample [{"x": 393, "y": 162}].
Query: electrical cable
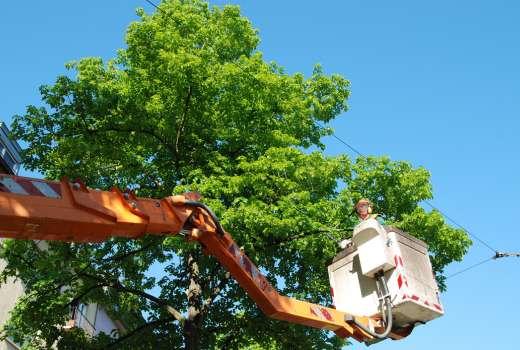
[
  {"x": 460, "y": 226},
  {"x": 497, "y": 255},
  {"x": 386, "y": 310},
  {"x": 346, "y": 144},
  {"x": 481, "y": 241},
  {"x": 357, "y": 152},
  {"x": 353, "y": 149},
  {"x": 426, "y": 201},
  {"x": 216, "y": 221},
  {"x": 154, "y": 5},
  {"x": 471, "y": 267}
]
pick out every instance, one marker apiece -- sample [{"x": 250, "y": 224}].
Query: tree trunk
[{"x": 192, "y": 325}]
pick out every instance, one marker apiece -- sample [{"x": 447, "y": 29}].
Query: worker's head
[{"x": 363, "y": 208}]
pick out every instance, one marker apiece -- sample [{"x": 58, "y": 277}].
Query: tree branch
[
  {"x": 84, "y": 293},
  {"x": 149, "y": 132},
  {"x": 215, "y": 292},
  {"x": 115, "y": 284},
  {"x": 283, "y": 241},
  {"x": 183, "y": 120},
  {"x": 152, "y": 324},
  {"x": 123, "y": 256},
  {"x": 47, "y": 290}
]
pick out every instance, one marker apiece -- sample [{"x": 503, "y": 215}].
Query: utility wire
[
  {"x": 349, "y": 146},
  {"x": 426, "y": 202},
  {"x": 353, "y": 149},
  {"x": 342, "y": 141},
  {"x": 471, "y": 267},
  {"x": 154, "y": 5},
  {"x": 357, "y": 152},
  {"x": 462, "y": 227},
  {"x": 496, "y": 255}
]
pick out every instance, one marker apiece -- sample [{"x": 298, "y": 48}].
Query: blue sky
[{"x": 434, "y": 83}]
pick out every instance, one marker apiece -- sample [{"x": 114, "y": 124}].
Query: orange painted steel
[{"x": 69, "y": 211}]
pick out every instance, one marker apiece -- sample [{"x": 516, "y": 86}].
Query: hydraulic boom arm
[{"x": 69, "y": 211}]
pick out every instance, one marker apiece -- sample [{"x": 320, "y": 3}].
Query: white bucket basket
[{"x": 407, "y": 270}]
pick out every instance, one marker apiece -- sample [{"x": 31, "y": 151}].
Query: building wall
[
  {"x": 91, "y": 317},
  {"x": 9, "y": 293},
  {"x": 94, "y": 319},
  {"x": 9, "y": 152},
  {"x": 8, "y": 345},
  {"x": 11, "y": 290}
]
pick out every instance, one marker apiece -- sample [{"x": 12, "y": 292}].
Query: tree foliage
[{"x": 191, "y": 104}]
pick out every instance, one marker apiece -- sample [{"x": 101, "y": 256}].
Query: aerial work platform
[{"x": 404, "y": 263}]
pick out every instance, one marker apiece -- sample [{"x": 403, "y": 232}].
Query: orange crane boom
[{"x": 69, "y": 211}]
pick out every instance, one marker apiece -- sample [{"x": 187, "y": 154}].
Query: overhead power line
[
  {"x": 353, "y": 149},
  {"x": 154, "y": 5},
  {"x": 461, "y": 227},
  {"x": 487, "y": 245},
  {"x": 346, "y": 144},
  {"x": 471, "y": 267},
  {"x": 357, "y": 152},
  {"x": 496, "y": 255}
]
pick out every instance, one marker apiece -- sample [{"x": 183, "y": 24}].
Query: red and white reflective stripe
[
  {"x": 44, "y": 188},
  {"x": 398, "y": 260},
  {"x": 403, "y": 281},
  {"x": 425, "y": 302},
  {"x": 320, "y": 312},
  {"x": 12, "y": 186},
  {"x": 399, "y": 281},
  {"x": 401, "y": 277},
  {"x": 30, "y": 187}
]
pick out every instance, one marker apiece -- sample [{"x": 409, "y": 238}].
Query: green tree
[{"x": 191, "y": 104}]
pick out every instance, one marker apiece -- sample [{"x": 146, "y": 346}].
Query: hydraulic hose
[
  {"x": 220, "y": 229},
  {"x": 386, "y": 311}
]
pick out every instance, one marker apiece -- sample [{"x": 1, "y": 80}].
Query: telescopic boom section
[{"x": 69, "y": 211}]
